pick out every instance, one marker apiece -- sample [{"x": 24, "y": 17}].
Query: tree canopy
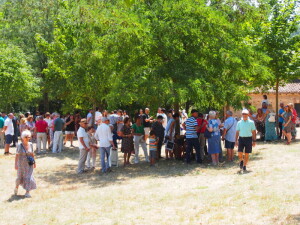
[{"x": 129, "y": 54}]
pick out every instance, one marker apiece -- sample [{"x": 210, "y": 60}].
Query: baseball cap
[{"x": 245, "y": 111}]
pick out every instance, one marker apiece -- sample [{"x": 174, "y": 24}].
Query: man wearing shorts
[
  {"x": 8, "y": 130},
  {"x": 245, "y": 138},
  {"x": 147, "y": 120}
]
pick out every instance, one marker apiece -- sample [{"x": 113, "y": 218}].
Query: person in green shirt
[
  {"x": 139, "y": 139},
  {"x": 245, "y": 138}
]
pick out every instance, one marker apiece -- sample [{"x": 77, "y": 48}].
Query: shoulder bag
[{"x": 30, "y": 159}]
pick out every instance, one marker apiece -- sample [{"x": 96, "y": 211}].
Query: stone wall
[{"x": 256, "y": 100}]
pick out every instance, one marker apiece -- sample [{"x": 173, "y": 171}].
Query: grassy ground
[{"x": 171, "y": 193}]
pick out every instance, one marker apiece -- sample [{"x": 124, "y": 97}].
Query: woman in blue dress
[
  {"x": 214, "y": 141},
  {"x": 270, "y": 125}
]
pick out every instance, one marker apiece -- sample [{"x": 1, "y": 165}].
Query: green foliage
[
  {"x": 17, "y": 83},
  {"x": 133, "y": 53},
  {"x": 282, "y": 42}
]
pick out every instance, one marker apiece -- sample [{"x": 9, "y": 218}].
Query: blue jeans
[
  {"x": 193, "y": 142},
  {"x": 104, "y": 151}
]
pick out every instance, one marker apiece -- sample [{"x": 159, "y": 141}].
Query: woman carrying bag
[{"x": 24, "y": 164}]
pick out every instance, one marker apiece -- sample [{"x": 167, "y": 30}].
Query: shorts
[
  {"x": 147, "y": 130},
  {"x": 152, "y": 154},
  {"x": 229, "y": 144},
  {"x": 69, "y": 132},
  {"x": 245, "y": 142},
  {"x": 8, "y": 139}
]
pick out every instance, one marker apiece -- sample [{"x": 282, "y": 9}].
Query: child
[
  {"x": 93, "y": 151},
  {"x": 153, "y": 140}
]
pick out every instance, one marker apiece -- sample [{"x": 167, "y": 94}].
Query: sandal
[{"x": 27, "y": 195}]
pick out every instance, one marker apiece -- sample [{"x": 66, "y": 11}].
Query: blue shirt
[
  {"x": 1, "y": 122},
  {"x": 281, "y": 120},
  {"x": 215, "y": 125},
  {"x": 245, "y": 128},
  {"x": 230, "y": 126},
  {"x": 191, "y": 124},
  {"x": 169, "y": 125}
]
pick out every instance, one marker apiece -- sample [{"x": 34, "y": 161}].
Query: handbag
[
  {"x": 272, "y": 118},
  {"x": 30, "y": 159},
  {"x": 170, "y": 145},
  {"x": 207, "y": 134}
]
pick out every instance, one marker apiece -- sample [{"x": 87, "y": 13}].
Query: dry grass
[{"x": 171, "y": 193}]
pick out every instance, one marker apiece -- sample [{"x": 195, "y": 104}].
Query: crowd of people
[{"x": 110, "y": 131}]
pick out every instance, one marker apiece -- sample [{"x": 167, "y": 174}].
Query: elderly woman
[
  {"x": 127, "y": 141},
  {"x": 287, "y": 126},
  {"x": 214, "y": 140},
  {"x": 25, "y": 171},
  {"x": 31, "y": 127},
  {"x": 22, "y": 125},
  {"x": 270, "y": 126}
]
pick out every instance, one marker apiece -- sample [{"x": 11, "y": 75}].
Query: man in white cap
[
  {"x": 105, "y": 137},
  {"x": 245, "y": 138}
]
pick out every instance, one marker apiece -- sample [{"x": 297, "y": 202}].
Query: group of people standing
[
  {"x": 104, "y": 131},
  {"x": 265, "y": 121}
]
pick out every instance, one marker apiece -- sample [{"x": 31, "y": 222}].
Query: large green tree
[
  {"x": 18, "y": 86},
  {"x": 281, "y": 42}
]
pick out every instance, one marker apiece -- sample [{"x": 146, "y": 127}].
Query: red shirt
[
  {"x": 41, "y": 126},
  {"x": 295, "y": 115},
  {"x": 201, "y": 123}
]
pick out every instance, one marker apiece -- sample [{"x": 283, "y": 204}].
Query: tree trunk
[
  {"x": 46, "y": 101},
  {"x": 94, "y": 112},
  {"x": 277, "y": 120},
  {"x": 176, "y": 106}
]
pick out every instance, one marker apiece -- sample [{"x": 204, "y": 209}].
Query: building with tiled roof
[{"x": 288, "y": 93}]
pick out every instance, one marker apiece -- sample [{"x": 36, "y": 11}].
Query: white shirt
[
  {"x": 104, "y": 135},
  {"x": 49, "y": 121},
  {"x": 265, "y": 101},
  {"x": 82, "y": 133},
  {"x": 165, "y": 121},
  {"x": 10, "y": 127},
  {"x": 98, "y": 117}
]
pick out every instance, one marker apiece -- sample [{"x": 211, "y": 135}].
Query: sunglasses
[
  {"x": 244, "y": 114},
  {"x": 28, "y": 137}
]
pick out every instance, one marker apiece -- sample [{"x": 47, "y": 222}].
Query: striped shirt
[
  {"x": 191, "y": 124},
  {"x": 152, "y": 144}
]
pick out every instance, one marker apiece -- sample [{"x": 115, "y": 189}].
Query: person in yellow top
[{"x": 245, "y": 138}]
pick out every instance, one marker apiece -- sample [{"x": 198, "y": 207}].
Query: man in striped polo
[{"x": 191, "y": 127}]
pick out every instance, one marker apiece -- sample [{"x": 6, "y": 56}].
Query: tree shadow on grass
[
  {"x": 293, "y": 219},
  {"x": 66, "y": 174},
  {"x": 16, "y": 198},
  {"x": 70, "y": 153}
]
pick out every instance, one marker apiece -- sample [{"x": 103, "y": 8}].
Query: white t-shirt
[
  {"x": 265, "y": 101},
  {"x": 10, "y": 127},
  {"x": 49, "y": 121},
  {"x": 82, "y": 133},
  {"x": 98, "y": 117},
  {"x": 165, "y": 121}
]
